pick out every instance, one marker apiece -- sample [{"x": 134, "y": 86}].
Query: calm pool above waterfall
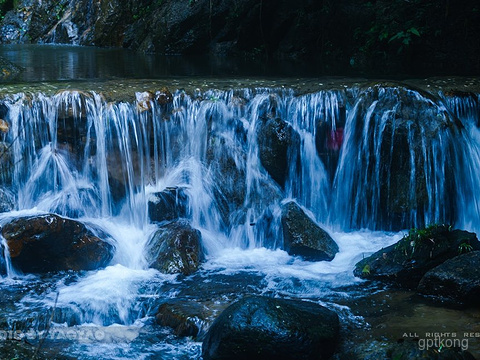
[{"x": 365, "y": 160}]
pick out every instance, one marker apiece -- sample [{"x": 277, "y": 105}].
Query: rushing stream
[{"x": 369, "y": 163}]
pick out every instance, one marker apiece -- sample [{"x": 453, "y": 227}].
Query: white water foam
[{"x": 289, "y": 275}]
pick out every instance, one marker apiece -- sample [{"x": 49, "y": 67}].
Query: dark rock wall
[{"x": 344, "y": 35}]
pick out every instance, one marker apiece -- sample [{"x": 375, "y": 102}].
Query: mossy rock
[{"x": 406, "y": 262}]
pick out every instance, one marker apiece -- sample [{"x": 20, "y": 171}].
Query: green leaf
[
  {"x": 399, "y": 35},
  {"x": 366, "y": 270},
  {"x": 383, "y": 35},
  {"x": 414, "y": 31}
]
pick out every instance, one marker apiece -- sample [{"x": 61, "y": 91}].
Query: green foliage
[
  {"x": 418, "y": 237},
  {"x": 425, "y": 235},
  {"x": 59, "y": 9},
  {"x": 393, "y": 30},
  {"x": 145, "y": 10},
  {"x": 403, "y": 37},
  {"x": 366, "y": 270},
  {"x": 378, "y": 36},
  {"x": 464, "y": 248}
]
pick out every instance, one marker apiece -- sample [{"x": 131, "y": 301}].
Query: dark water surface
[{"x": 67, "y": 62}]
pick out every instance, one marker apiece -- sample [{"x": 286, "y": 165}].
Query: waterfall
[
  {"x": 466, "y": 106},
  {"x": 355, "y": 160},
  {"x": 404, "y": 162},
  {"x": 384, "y": 157}
]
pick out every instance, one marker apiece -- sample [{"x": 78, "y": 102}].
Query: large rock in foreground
[
  {"x": 303, "y": 237},
  {"x": 408, "y": 260},
  {"x": 267, "y": 328},
  {"x": 455, "y": 281},
  {"x": 176, "y": 247},
  {"x": 39, "y": 244}
]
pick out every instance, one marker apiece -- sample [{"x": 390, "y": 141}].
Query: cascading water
[
  {"x": 467, "y": 156},
  {"x": 399, "y": 164},
  {"x": 382, "y": 158}
]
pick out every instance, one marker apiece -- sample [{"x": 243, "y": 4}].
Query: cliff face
[{"x": 408, "y": 36}]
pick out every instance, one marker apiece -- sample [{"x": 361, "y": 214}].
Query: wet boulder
[
  {"x": 421, "y": 250},
  {"x": 303, "y": 237},
  {"x": 267, "y": 328},
  {"x": 167, "y": 205},
  {"x": 185, "y": 318},
  {"x": 176, "y": 247},
  {"x": 277, "y": 142},
  {"x": 454, "y": 282},
  {"x": 44, "y": 243}
]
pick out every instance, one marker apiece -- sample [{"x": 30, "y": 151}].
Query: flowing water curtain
[
  {"x": 64, "y": 149},
  {"x": 319, "y": 119},
  {"x": 262, "y": 194},
  {"x": 400, "y": 161},
  {"x": 43, "y": 167},
  {"x": 466, "y": 106}
]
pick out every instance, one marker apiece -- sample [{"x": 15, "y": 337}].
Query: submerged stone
[
  {"x": 409, "y": 259},
  {"x": 185, "y": 318},
  {"x": 176, "y": 247},
  {"x": 8, "y": 70},
  {"x": 267, "y": 328},
  {"x": 303, "y": 237},
  {"x": 454, "y": 282},
  {"x": 44, "y": 243}
]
